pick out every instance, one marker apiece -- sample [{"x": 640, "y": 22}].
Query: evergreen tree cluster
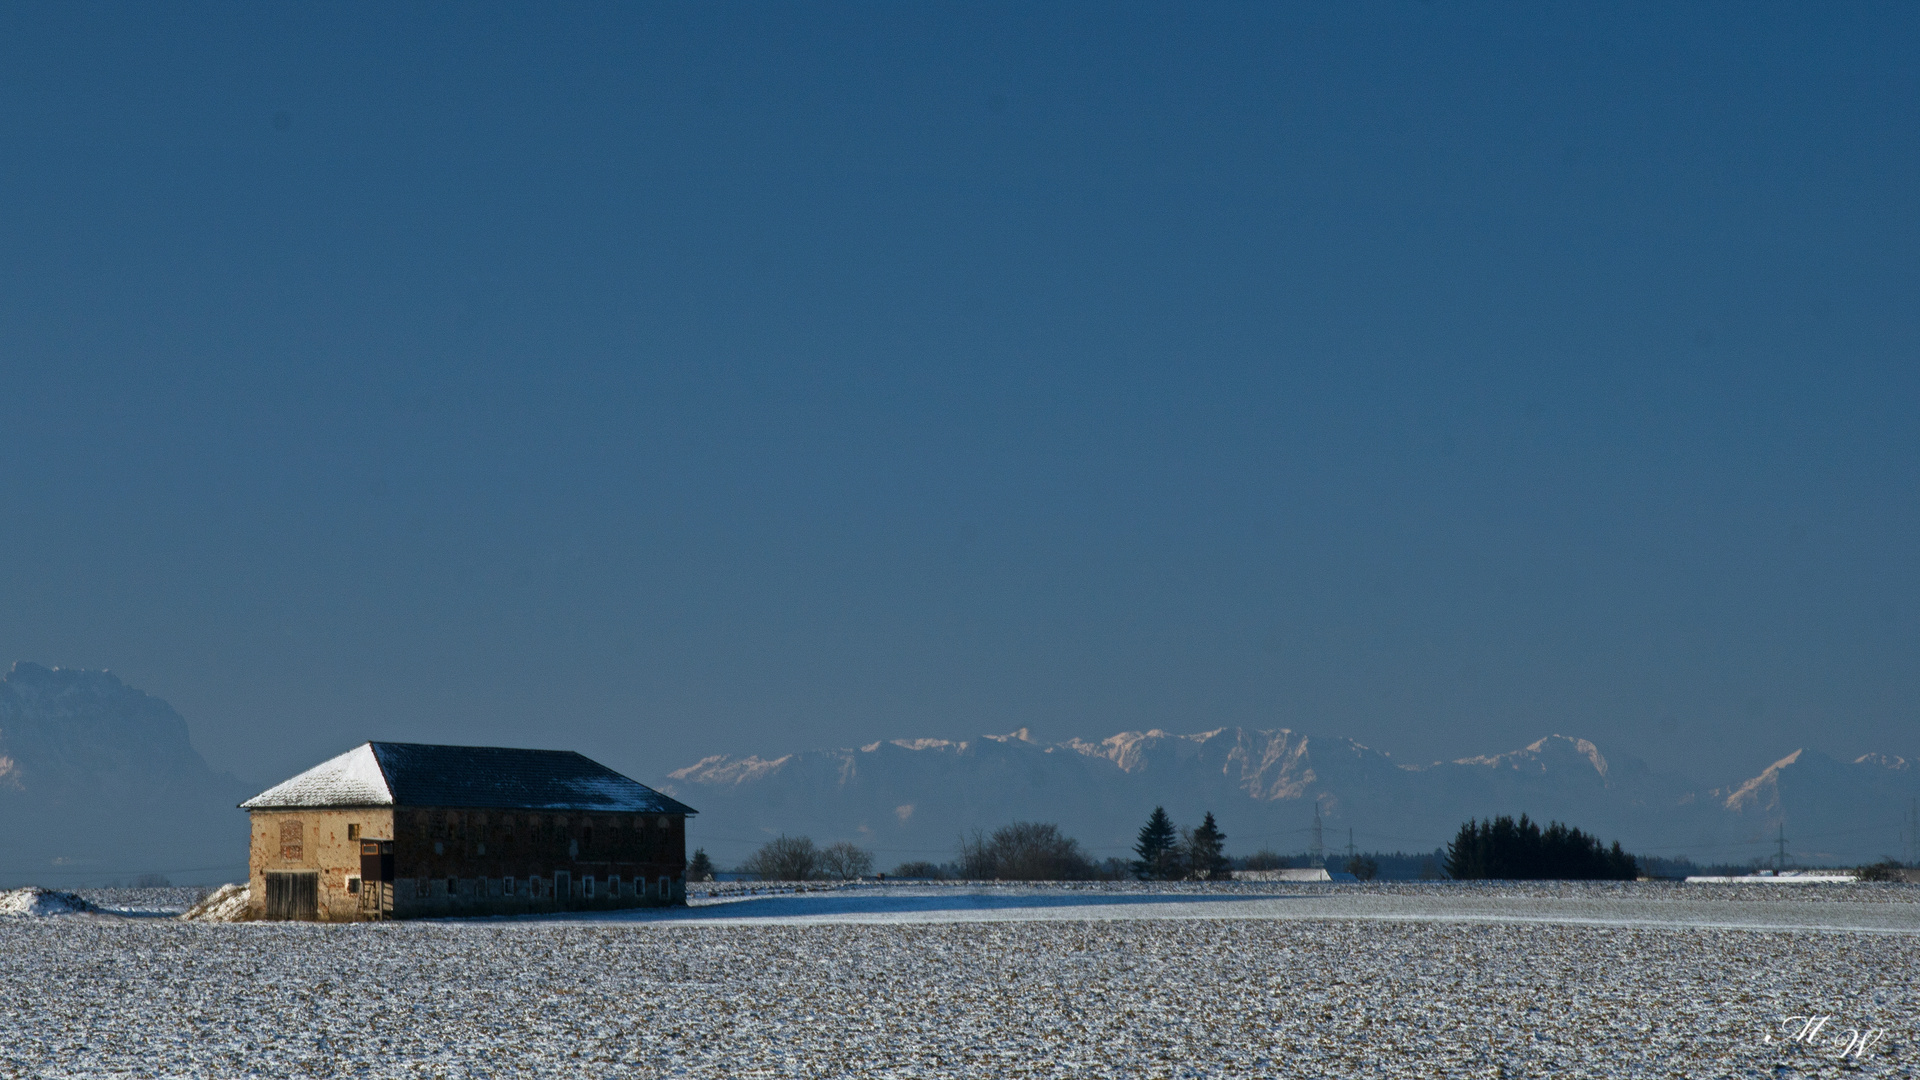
[
  {"x": 1170, "y": 854},
  {"x": 1503, "y": 848}
]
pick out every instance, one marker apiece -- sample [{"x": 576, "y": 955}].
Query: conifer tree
[
  {"x": 1156, "y": 847},
  {"x": 1205, "y": 847},
  {"x": 700, "y": 868}
]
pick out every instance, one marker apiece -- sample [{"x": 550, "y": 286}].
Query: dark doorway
[
  {"x": 376, "y": 860},
  {"x": 293, "y": 896}
]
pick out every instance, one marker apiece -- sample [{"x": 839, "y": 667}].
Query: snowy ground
[
  {"x": 171, "y": 900},
  {"x": 1600, "y": 980}
]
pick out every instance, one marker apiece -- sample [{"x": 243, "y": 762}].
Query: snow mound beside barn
[
  {"x": 34, "y": 900},
  {"x": 228, "y": 903}
]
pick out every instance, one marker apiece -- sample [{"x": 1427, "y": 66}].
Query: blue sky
[{"x": 661, "y": 381}]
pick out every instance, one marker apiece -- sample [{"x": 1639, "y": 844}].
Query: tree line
[
  {"x": 1019, "y": 851},
  {"x": 1498, "y": 848}
]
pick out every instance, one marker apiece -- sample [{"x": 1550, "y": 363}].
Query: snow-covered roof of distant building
[{"x": 480, "y": 777}]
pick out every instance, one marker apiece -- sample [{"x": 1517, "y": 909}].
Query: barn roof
[{"x": 481, "y": 777}]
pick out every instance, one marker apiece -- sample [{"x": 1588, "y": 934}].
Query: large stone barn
[{"x": 404, "y": 830}]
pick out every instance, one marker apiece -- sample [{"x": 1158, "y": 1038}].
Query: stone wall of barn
[{"x": 325, "y": 843}]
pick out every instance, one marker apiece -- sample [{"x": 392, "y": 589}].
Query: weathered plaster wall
[{"x": 323, "y": 846}]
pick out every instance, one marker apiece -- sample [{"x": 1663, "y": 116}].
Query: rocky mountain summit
[{"x": 100, "y": 780}]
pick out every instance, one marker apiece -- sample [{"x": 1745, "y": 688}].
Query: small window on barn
[
  {"x": 613, "y": 885},
  {"x": 353, "y": 884},
  {"x": 480, "y": 848},
  {"x": 453, "y": 886},
  {"x": 439, "y": 848},
  {"x": 506, "y": 886},
  {"x": 666, "y": 888},
  {"x": 586, "y": 886},
  {"x": 353, "y": 832}
]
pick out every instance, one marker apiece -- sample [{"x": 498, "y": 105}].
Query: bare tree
[
  {"x": 1263, "y": 860},
  {"x": 845, "y": 861},
  {"x": 785, "y": 858},
  {"x": 1024, "y": 851}
]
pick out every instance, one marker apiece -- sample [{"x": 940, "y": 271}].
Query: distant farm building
[{"x": 405, "y": 830}]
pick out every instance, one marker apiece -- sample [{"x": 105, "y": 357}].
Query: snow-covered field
[{"x": 1410, "y": 980}]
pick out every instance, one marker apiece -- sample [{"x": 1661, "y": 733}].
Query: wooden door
[{"x": 293, "y": 896}]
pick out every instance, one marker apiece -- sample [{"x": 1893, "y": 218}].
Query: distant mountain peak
[
  {"x": 722, "y": 769},
  {"x": 31, "y": 681},
  {"x": 93, "y": 771},
  {"x": 919, "y": 744},
  {"x": 1542, "y": 755},
  {"x": 1022, "y": 735},
  {"x": 63, "y": 726}
]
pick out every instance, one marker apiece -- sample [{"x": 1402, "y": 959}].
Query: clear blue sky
[{"x": 663, "y": 380}]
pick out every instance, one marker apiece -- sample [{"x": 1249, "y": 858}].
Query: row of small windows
[
  {"x": 292, "y": 849},
  {"x": 454, "y": 820},
  {"x": 561, "y": 884}
]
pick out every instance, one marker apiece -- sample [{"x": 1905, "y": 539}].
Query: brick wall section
[{"x": 480, "y": 851}]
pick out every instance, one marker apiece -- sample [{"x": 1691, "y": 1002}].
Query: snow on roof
[
  {"x": 352, "y": 779},
  {"x": 486, "y": 777}
]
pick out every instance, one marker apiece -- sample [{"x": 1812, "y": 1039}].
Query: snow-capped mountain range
[
  {"x": 911, "y": 798},
  {"x": 99, "y": 780}
]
